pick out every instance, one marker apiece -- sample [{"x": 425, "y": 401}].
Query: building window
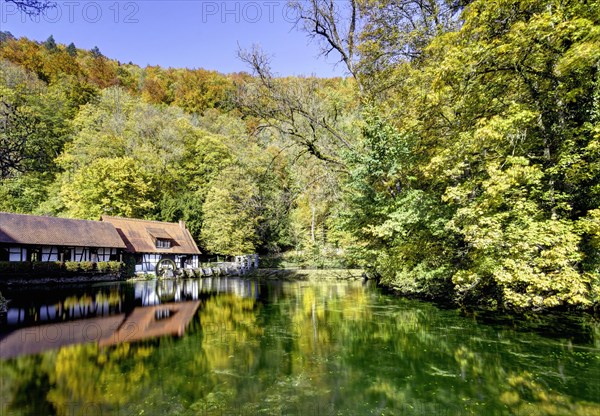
[
  {"x": 17, "y": 254},
  {"x": 49, "y": 253},
  {"x": 4, "y": 254},
  {"x": 81, "y": 254},
  {"x": 162, "y": 243}
]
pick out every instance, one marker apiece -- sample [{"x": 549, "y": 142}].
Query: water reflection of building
[
  {"x": 48, "y": 321},
  {"x": 142, "y": 323},
  {"x": 157, "y": 292},
  {"x": 240, "y": 287},
  {"x": 153, "y": 321},
  {"x": 22, "y": 312},
  {"x": 50, "y": 306},
  {"x": 37, "y": 339}
]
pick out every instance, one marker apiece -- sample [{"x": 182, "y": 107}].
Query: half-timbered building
[
  {"x": 45, "y": 239},
  {"x": 151, "y": 241}
]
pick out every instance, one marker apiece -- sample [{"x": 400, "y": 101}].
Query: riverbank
[
  {"x": 55, "y": 272},
  {"x": 259, "y": 274},
  {"x": 444, "y": 302},
  {"x": 290, "y": 274},
  {"x": 59, "y": 280},
  {"x": 306, "y": 274}
]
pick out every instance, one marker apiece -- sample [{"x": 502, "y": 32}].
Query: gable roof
[
  {"x": 145, "y": 318},
  {"x": 140, "y": 235},
  {"x": 53, "y": 231}
]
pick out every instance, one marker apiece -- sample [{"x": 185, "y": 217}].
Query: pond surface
[{"x": 239, "y": 347}]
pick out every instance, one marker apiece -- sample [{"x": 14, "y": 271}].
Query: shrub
[
  {"x": 24, "y": 266},
  {"x": 115, "y": 267},
  {"x": 71, "y": 266},
  {"x": 86, "y": 266},
  {"x": 3, "y": 304},
  {"x": 51, "y": 266},
  {"x": 129, "y": 266},
  {"x": 54, "y": 266},
  {"x": 6, "y": 266}
]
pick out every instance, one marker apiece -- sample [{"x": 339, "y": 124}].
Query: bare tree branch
[
  {"x": 32, "y": 7},
  {"x": 293, "y": 108},
  {"x": 335, "y": 23}
]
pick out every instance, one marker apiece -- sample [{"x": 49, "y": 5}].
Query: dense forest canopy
[
  {"x": 459, "y": 160},
  {"x": 84, "y": 135}
]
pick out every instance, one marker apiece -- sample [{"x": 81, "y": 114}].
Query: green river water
[{"x": 283, "y": 348}]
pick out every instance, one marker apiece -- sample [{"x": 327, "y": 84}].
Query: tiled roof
[
  {"x": 140, "y": 235},
  {"x": 159, "y": 233},
  {"x": 41, "y": 230},
  {"x": 144, "y": 320}
]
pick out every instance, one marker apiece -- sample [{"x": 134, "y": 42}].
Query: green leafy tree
[
  {"x": 399, "y": 226},
  {"x": 50, "y": 44},
  {"x": 204, "y": 158},
  {"x": 96, "y": 52},
  {"x": 480, "y": 182},
  {"x": 34, "y": 119},
  {"x": 230, "y": 214},
  {"x": 72, "y": 49},
  {"x": 117, "y": 186}
]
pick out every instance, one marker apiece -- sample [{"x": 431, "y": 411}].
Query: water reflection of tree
[
  {"x": 321, "y": 348},
  {"x": 25, "y": 384}
]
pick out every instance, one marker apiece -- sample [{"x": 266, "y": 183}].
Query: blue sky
[{"x": 192, "y": 33}]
